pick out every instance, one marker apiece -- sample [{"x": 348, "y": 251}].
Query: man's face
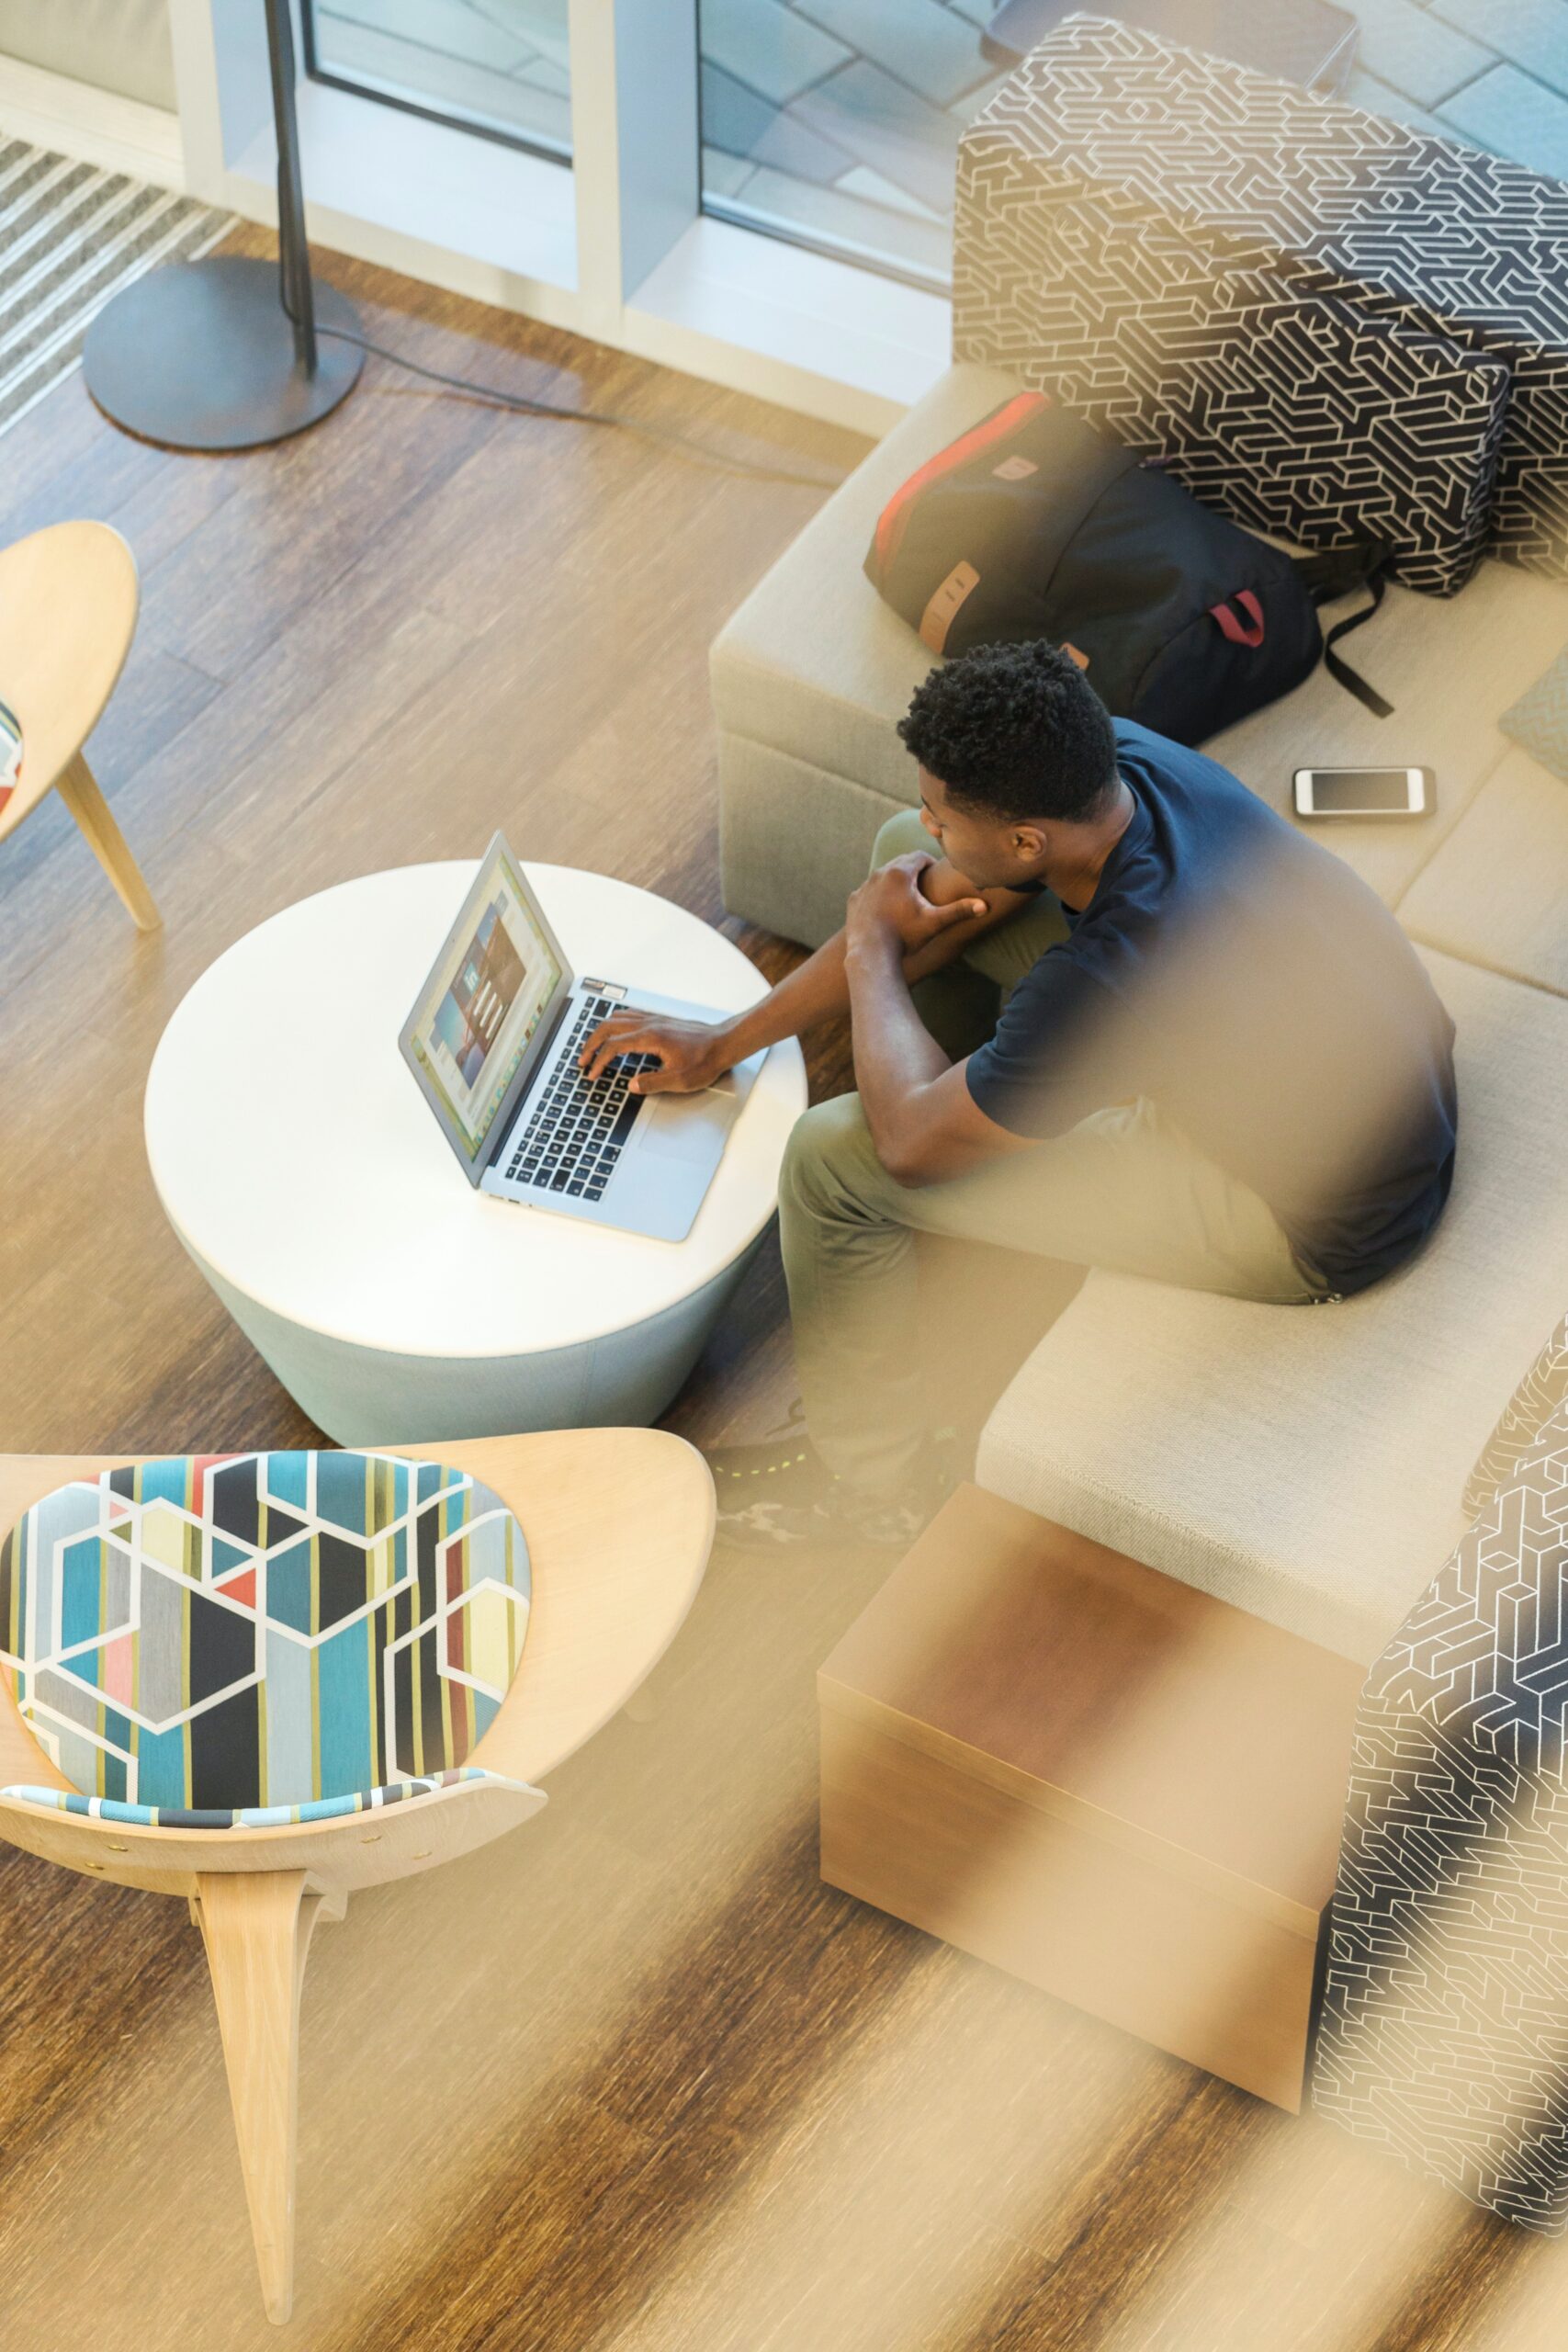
[{"x": 992, "y": 852}]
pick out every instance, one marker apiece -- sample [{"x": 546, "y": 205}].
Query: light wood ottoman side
[{"x": 1097, "y": 1778}]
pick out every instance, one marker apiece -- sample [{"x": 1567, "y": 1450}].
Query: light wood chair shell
[
  {"x": 619, "y": 1524},
  {"x": 68, "y": 605}
]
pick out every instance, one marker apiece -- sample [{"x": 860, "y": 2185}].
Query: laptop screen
[{"x": 492, "y": 985}]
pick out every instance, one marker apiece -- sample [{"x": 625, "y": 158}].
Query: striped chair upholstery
[
  {"x": 10, "y": 753},
  {"x": 220, "y": 1641}
]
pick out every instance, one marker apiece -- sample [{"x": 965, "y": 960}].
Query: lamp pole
[{"x": 225, "y": 354}]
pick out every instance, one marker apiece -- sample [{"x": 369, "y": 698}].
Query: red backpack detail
[{"x": 1033, "y": 525}]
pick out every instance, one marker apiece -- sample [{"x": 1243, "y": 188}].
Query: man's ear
[{"x": 1027, "y": 843}]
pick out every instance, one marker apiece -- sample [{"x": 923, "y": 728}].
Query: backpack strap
[
  {"x": 1336, "y": 571},
  {"x": 1341, "y": 671},
  {"x": 1247, "y": 627}
]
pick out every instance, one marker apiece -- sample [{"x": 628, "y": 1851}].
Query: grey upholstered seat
[
  {"x": 120, "y": 45},
  {"x": 1307, "y": 1463},
  {"x": 812, "y": 674},
  {"x": 1496, "y": 891}
]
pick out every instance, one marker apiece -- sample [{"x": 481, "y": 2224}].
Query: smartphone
[{"x": 1365, "y": 792}]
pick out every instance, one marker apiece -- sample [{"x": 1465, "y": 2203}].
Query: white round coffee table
[{"x": 301, "y": 1169}]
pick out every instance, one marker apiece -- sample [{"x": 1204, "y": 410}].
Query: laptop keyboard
[{"x": 576, "y": 1129}]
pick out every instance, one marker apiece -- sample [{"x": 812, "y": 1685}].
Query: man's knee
[
  {"x": 904, "y": 831},
  {"x": 827, "y": 1160}
]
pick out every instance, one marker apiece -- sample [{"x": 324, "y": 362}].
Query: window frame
[
  {"x": 616, "y": 246},
  {"x": 309, "y": 57}
]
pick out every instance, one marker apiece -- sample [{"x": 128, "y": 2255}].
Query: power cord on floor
[{"x": 496, "y": 398}]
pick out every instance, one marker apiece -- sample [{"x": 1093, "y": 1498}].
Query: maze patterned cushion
[
  {"x": 1543, "y": 1388},
  {"x": 1447, "y": 1988},
  {"x": 226, "y": 1636},
  {"x": 1199, "y": 259},
  {"x": 1539, "y": 718}
]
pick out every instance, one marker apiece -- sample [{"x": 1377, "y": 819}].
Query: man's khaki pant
[{"x": 1124, "y": 1189}]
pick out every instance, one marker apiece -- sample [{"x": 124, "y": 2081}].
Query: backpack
[{"x": 1033, "y": 525}]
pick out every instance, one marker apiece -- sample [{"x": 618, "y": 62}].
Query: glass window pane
[
  {"x": 836, "y": 122},
  {"x": 498, "y": 66}
]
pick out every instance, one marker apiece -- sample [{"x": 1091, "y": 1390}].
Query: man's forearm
[
  {"x": 896, "y": 1054},
  {"x": 814, "y": 992},
  {"x": 818, "y": 988}
]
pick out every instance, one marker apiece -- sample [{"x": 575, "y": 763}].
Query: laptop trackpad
[{"x": 689, "y": 1127}]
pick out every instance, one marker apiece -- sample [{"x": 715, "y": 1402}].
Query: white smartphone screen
[{"x": 1361, "y": 792}]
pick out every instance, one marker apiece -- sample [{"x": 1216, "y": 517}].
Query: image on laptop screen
[{"x": 486, "y": 999}]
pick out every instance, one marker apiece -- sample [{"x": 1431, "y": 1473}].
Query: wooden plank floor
[{"x": 633, "y": 2081}]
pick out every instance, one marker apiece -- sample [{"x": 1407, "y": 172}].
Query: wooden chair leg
[
  {"x": 78, "y": 788},
  {"x": 256, "y": 1926}
]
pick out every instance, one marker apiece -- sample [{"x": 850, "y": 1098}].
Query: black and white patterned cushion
[
  {"x": 1543, "y": 1388},
  {"x": 1328, "y": 320},
  {"x": 1444, "y": 2033}
]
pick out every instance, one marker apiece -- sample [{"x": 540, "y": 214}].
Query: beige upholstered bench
[{"x": 1307, "y": 1467}]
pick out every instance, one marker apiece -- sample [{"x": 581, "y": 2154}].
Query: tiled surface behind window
[
  {"x": 502, "y": 64},
  {"x": 837, "y": 120}
]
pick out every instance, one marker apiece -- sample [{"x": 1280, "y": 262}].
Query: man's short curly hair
[{"x": 1017, "y": 730}]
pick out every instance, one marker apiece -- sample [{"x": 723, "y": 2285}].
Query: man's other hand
[
  {"x": 691, "y": 1053},
  {"x": 892, "y": 899}
]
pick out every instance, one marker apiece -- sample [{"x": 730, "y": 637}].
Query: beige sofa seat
[
  {"x": 813, "y": 671},
  {"x": 809, "y": 678},
  {"x": 1307, "y": 1463},
  {"x": 814, "y": 663},
  {"x": 1448, "y": 665},
  {"x": 1497, "y": 889},
  {"x": 120, "y": 45}
]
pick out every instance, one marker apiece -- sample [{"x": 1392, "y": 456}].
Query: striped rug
[{"x": 70, "y": 236}]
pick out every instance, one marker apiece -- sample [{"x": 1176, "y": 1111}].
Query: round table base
[
  {"x": 392, "y": 1298},
  {"x": 362, "y": 1396}
]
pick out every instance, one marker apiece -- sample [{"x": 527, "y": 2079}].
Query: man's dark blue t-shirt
[{"x": 1242, "y": 977}]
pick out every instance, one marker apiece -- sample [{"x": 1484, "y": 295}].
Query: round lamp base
[{"x": 199, "y": 355}]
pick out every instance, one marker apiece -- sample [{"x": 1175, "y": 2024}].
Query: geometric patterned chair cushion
[
  {"x": 10, "y": 753},
  {"x": 217, "y": 1640},
  {"x": 1543, "y": 1388},
  {"x": 249, "y": 1816}
]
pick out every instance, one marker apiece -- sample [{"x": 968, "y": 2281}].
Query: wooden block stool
[
  {"x": 1103, "y": 1780},
  {"x": 68, "y": 604}
]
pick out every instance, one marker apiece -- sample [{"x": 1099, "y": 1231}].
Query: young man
[{"x": 1218, "y": 1061}]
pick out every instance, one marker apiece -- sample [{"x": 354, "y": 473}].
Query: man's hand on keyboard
[{"x": 691, "y": 1054}]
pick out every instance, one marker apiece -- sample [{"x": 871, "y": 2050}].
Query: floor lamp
[{"x": 225, "y": 354}]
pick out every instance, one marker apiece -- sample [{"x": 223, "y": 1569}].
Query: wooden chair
[
  {"x": 68, "y": 603},
  {"x": 618, "y": 1525}
]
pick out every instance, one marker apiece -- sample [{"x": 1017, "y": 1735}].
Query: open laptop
[{"x": 493, "y": 1041}]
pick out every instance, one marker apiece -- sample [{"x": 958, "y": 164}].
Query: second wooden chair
[{"x": 260, "y": 1681}]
